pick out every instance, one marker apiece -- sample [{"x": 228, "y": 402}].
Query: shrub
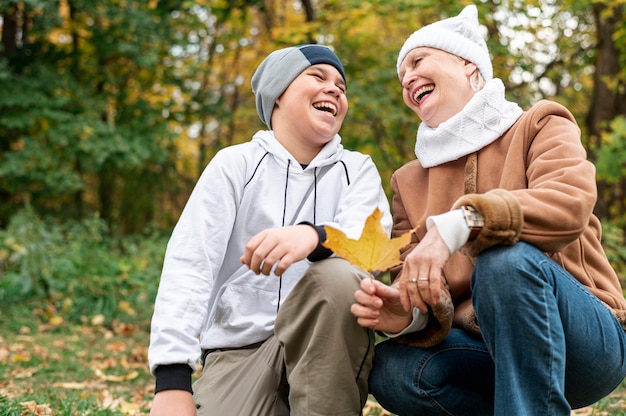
[
  {"x": 613, "y": 243},
  {"x": 76, "y": 270}
]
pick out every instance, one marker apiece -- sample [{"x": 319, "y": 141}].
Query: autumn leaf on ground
[
  {"x": 116, "y": 379},
  {"x": 374, "y": 250}
]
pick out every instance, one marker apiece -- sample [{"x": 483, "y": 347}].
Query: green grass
[
  {"x": 75, "y": 314},
  {"x": 613, "y": 405},
  {"x": 73, "y": 369}
]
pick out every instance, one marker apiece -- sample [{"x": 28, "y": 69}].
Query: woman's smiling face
[{"x": 435, "y": 84}]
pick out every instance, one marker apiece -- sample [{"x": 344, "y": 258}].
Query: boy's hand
[
  {"x": 279, "y": 246},
  {"x": 173, "y": 402},
  {"x": 379, "y": 307}
]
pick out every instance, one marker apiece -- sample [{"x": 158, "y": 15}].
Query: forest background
[{"x": 110, "y": 110}]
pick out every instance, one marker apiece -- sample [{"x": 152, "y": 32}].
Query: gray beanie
[
  {"x": 281, "y": 67},
  {"x": 458, "y": 35}
]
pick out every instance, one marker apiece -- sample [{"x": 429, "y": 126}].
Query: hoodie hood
[{"x": 331, "y": 153}]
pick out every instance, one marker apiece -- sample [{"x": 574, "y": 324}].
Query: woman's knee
[
  {"x": 502, "y": 266},
  {"x": 500, "y": 257}
]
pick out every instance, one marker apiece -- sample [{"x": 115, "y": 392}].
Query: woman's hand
[
  {"x": 378, "y": 307},
  {"x": 421, "y": 279}
]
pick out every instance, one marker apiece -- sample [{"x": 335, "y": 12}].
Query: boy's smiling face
[{"x": 312, "y": 108}]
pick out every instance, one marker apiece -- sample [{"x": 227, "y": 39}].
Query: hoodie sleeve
[{"x": 193, "y": 257}]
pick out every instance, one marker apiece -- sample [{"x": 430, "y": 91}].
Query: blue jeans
[{"x": 548, "y": 345}]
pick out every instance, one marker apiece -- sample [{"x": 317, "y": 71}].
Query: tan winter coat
[{"x": 533, "y": 184}]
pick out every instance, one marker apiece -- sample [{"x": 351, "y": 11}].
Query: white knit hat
[{"x": 457, "y": 35}]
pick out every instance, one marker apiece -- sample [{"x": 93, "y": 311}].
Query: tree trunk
[
  {"x": 75, "y": 68},
  {"x": 9, "y": 29},
  {"x": 606, "y": 101}
]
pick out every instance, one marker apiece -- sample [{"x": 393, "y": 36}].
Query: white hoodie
[{"x": 207, "y": 298}]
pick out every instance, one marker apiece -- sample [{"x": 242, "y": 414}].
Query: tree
[
  {"x": 607, "y": 108},
  {"x": 80, "y": 108},
  {"x": 116, "y": 107}
]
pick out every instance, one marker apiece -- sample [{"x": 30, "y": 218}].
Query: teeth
[
  {"x": 420, "y": 93},
  {"x": 325, "y": 106}
]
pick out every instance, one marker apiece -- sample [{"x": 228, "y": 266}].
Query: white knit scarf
[{"x": 483, "y": 119}]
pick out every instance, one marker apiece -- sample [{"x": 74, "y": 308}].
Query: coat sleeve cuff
[
  {"x": 417, "y": 324},
  {"x": 173, "y": 377},
  {"x": 452, "y": 228},
  {"x": 503, "y": 215},
  {"x": 320, "y": 252},
  {"x": 437, "y": 327}
]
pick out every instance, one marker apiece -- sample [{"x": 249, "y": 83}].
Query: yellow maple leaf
[{"x": 374, "y": 250}]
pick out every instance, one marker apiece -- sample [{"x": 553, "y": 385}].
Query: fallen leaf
[
  {"x": 374, "y": 250},
  {"x": 124, "y": 329},
  {"x": 116, "y": 379},
  {"x": 116, "y": 346},
  {"x": 23, "y": 357},
  {"x": 126, "y": 307},
  {"x": 71, "y": 385},
  {"x": 373, "y": 407},
  {"x": 23, "y": 373},
  {"x": 36, "y": 409},
  {"x": 55, "y": 320},
  {"x": 129, "y": 408},
  {"x": 98, "y": 320}
]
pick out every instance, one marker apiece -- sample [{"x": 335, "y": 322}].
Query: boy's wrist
[{"x": 320, "y": 252}]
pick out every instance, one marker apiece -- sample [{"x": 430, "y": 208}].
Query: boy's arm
[{"x": 194, "y": 253}]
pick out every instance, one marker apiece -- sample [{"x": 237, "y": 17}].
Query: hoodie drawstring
[
  {"x": 280, "y": 278},
  {"x": 314, "y": 195},
  {"x": 285, "y": 196}
]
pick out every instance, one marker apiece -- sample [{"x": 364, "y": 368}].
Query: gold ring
[
  {"x": 413, "y": 280},
  {"x": 423, "y": 279}
]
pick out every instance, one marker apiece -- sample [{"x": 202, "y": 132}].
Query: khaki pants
[{"x": 317, "y": 362}]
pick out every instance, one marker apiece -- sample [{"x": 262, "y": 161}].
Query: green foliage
[
  {"x": 38, "y": 127},
  {"x": 613, "y": 243},
  {"x": 114, "y": 108},
  {"x": 611, "y": 168},
  {"x": 611, "y": 157},
  {"x": 28, "y": 247},
  {"x": 78, "y": 271},
  {"x": 78, "y": 112}
]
